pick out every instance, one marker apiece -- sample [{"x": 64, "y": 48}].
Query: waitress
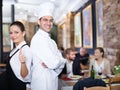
[{"x": 18, "y": 67}]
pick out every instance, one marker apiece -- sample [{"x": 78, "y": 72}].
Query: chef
[{"x": 47, "y": 59}]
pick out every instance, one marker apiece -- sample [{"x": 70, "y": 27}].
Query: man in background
[
  {"x": 67, "y": 71},
  {"x": 70, "y": 57},
  {"x": 81, "y": 61}
]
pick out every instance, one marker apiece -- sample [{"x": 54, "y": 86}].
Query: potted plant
[{"x": 117, "y": 70}]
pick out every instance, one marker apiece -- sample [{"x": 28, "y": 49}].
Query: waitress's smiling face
[{"x": 16, "y": 34}]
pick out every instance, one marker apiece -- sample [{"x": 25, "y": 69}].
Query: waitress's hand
[{"x": 21, "y": 56}]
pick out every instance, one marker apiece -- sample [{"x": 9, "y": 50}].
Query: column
[{"x": 1, "y": 43}]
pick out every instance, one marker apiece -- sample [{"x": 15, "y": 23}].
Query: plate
[
  {"x": 85, "y": 71},
  {"x": 109, "y": 75},
  {"x": 103, "y": 76},
  {"x": 75, "y": 77},
  {"x": 106, "y": 80}
]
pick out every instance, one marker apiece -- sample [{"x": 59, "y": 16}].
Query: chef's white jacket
[{"x": 45, "y": 50}]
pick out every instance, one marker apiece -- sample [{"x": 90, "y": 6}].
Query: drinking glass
[{"x": 100, "y": 72}]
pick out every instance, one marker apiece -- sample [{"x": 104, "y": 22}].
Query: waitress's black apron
[{"x": 11, "y": 82}]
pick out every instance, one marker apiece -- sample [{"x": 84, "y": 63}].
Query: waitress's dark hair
[
  {"x": 19, "y": 24},
  {"x": 101, "y": 50}
]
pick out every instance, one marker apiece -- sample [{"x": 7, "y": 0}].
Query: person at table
[
  {"x": 70, "y": 57},
  {"x": 100, "y": 63},
  {"x": 81, "y": 60},
  {"x": 19, "y": 65}
]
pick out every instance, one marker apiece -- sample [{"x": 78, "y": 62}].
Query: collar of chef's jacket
[
  {"x": 18, "y": 47},
  {"x": 46, "y": 34}
]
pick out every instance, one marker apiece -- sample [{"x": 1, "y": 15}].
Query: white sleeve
[
  {"x": 60, "y": 68},
  {"x": 28, "y": 56}
]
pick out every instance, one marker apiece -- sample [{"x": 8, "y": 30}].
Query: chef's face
[
  {"x": 46, "y": 23},
  {"x": 16, "y": 35}
]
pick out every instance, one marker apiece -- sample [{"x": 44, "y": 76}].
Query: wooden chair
[
  {"x": 2, "y": 67},
  {"x": 85, "y": 70},
  {"x": 114, "y": 83},
  {"x": 84, "y": 67},
  {"x": 97, "y": 88}
]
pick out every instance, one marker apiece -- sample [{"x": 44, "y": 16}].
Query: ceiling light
[{"x": 52, "y": 0}]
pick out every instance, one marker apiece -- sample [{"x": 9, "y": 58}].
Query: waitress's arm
[{"x": 24, "y": 70}]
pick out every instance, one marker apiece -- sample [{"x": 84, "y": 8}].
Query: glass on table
[
  {"x": 85, "y": 73},
  {"x": 100, "y": 73}
]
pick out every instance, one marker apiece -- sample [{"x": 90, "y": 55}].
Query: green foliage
[{"x": 117, "y": 69}]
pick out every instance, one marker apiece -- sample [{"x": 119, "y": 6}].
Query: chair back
[
  {"x": 97, "y": 88},
  {"x": 2, "y": 68},
  {"x": 114, "y": 83}
]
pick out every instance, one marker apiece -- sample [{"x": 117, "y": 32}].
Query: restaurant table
[
  {"x": 67, "y": 88},
  {"x": 66, "y": 84}
]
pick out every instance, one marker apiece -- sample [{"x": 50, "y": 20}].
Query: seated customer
[
  {"x": 82, "y": 59},
  {"x": 100, "y": 64},
  {"x": 67, "y": 70}
]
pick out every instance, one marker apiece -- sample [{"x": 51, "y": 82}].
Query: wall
[
  {"x": 111, "y": 30},
  {"x": 70, "y": 29},
  {"x": 30, "y": 31},
  {"x": 59, "y": 36}
]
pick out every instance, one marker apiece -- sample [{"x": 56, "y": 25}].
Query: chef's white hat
[{"x": 46, "y": 9}]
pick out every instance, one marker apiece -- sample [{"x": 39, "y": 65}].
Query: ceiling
[{"x": 29, "y": 8}]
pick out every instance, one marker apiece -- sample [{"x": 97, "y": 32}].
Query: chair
[
  {"x": 88, "y": 82},
  {"x": 2, "y": 68},
  {"x": 97, "y": 88},
  {"x": 114, "y": 83}
]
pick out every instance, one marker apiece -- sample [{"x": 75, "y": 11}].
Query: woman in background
[{"x": 100, "y": 64}]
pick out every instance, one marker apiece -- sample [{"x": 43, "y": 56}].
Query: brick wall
[{"x": 111, "y": 30}]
